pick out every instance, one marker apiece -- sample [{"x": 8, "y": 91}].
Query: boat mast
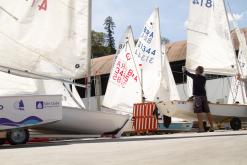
[
  {"x": 89, "y": 53},
  {"x": 236, "y": 59}
]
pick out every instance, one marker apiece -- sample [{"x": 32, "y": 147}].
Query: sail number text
[
  {"x": 207, "y": 3},
  {"x": 144, "y": 50},
  {"x": 122, "y": 73},
  {"x": 42, "y": 5}
]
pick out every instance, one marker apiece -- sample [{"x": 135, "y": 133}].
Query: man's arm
[{"x": 187, "y": 73}]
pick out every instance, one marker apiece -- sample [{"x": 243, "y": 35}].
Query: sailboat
[
  {"x": 124, "y": 88},
  {"x": 45, "y": 45},
  {"x": 151, "y": 78},
  {"x": 156, "y": 76},
  {"x": 209, "y": 45}
]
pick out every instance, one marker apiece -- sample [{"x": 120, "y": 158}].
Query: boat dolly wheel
[
  {"x": 18, "y": 136},
  {"x": 235, "y": 123}
]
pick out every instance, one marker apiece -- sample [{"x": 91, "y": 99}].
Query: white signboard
[{"x": 24, "y": 111}]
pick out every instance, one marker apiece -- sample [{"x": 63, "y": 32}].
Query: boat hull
[
  {"x": 220, "y": 112},
  {"x": 81, "y": 121}
]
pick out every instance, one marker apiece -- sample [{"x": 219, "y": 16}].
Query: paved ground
[{"x": 227, "y": 148}]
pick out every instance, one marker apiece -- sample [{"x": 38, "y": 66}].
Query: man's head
[{"x": 199, "y": 70}]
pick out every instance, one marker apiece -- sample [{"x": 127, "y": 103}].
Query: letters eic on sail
[
  {"x": 209, "y": 42},
  {"x": 45, "y": 37},
  {"x": 123, "y": 89},
  {"x": 157, "y": 79}
]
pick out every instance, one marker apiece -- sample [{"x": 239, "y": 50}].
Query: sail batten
[{"x": 49, "y": 37}]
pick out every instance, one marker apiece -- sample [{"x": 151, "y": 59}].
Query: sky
[{"x": 173, "y": 15}]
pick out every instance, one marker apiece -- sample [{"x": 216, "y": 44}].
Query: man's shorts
[{"x": 201, "y": 104}]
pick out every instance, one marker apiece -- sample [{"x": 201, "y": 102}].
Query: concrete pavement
[{"x": 223, "y": 147}]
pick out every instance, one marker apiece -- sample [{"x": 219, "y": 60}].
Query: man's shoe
[{"x": 211, "y": 130}]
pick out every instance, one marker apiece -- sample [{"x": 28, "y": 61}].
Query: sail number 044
[{"x": 207, "y": 3}]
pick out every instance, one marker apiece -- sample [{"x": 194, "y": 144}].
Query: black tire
[
  {"x": 18, "y": 136},
  {"x": 235, "y": 123},
  {"x": 2, "y": 141}
]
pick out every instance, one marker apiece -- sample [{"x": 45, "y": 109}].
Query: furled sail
[
  {"x": 45, "y": 37},
  {"x": 123, "y": 89},
  {"x": 157, "y": 79},
  {"x": 209, "y": 42},
  {"x": 238, "y": 90},
  {"x": 242, "y": 53}
]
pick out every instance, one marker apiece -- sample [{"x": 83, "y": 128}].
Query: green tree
[
  {"x": 109, "y": 27},
  {"x": 99, "y": 47},
  {"x": 98, "y": 38}
]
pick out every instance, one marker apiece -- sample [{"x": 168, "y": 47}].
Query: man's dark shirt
[{"x": 199, "y": 82}]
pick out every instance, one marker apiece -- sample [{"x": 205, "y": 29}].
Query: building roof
[
  {"x": 175, "y": 51},
  {"x": 101, "y": 65},
  {"x": 235, "y": 39}
]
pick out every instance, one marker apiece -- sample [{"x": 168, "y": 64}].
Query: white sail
[
  {"x": 148, "y": 54},
  {"x": 189, "y": 86},
  {"x": 128, "y": 36},
  {"x": 242, "y": 53},
  {"x": 123, "y": 89},
  {"x": 238, "y": 90},
  {"x": 157, "y": 79},
  {"x": 209, "y": 42},
  {"x": 45, "y": 37},
  {"x": 168, "y": 89},
  {"x": 16, "y": 85}
]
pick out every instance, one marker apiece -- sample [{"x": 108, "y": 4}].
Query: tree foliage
[
  {"x": 109, "y": 27},
  {"x": 164, "y": 40},
  {"x": 99, "y": 47}
]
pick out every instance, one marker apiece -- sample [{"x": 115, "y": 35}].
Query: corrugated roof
[
  {"x": 101, "y": 65},
  {"x": 175, "y": 52},
  {"x": 235, "y": 39}
]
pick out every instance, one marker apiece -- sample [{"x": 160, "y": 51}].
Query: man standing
[{"x": 200, "y": 98}]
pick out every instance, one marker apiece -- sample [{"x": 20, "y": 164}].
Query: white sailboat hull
[
  {"x": 220, "y": 112},
  {"x": 81, "y": 121}
]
